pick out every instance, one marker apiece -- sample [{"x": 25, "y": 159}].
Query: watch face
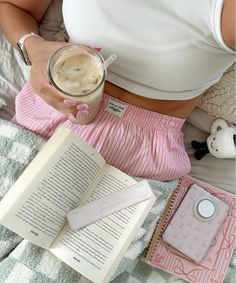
[{"x": 23, "y": 54}]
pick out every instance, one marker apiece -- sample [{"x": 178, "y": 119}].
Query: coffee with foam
[{"x": 77, "y": 72}]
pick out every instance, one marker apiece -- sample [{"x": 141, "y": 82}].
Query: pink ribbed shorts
[{"x": 139, "y": 142}]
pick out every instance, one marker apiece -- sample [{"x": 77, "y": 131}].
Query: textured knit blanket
[{"x": 24, "y": 262}]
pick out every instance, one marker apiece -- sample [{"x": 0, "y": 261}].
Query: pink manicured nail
[
  {"x": 69, "y": 102},
  {"x": 95, "y": 47},
  {"x": 82, "y": 107},
  {"x": 83, "y": 112},
  {"x": 72, "y": 118}
]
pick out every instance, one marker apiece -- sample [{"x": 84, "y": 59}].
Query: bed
[{"x": 218, "y": 101}]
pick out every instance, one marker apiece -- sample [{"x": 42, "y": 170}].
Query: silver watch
[{"x": 22, "y": 50}]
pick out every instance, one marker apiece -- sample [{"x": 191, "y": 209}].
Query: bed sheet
[{"x": 13, "y": 74}]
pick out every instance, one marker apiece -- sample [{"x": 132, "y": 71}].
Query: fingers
[
  {"x": 69, "y": 102},
  {"x": 52, "y": 97},
  {"x": 69, "y": 107},
  {"x": 82, "y": 109}
]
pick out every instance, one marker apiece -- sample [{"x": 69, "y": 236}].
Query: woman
[{"x": 169, "y": 53}]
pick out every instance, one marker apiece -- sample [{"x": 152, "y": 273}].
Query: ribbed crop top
[{"x": 166, "y": 49}]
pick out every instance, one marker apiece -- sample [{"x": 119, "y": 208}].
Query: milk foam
[{"x": 77, "y": 73}]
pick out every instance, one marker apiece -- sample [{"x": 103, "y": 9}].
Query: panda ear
[
  {"x": 200, "y": 153},
  {"x": 218, "y": 124},
  {"x": 234, "y": 138}
]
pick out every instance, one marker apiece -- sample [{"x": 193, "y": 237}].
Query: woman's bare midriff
[{"x": 176, "y": 108}]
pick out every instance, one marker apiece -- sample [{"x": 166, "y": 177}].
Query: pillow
[
  {"x": 52, "y": 26},
  {"x": 217, "y": 102},
  {"x": 219, "y": 99}
]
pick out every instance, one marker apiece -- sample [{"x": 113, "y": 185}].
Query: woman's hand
[{"x": 39, "y": 51}]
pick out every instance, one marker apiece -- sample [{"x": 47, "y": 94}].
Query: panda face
[{"x": 221, "y": 144}]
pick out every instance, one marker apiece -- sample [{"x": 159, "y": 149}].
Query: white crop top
[{"x": 166, "y": 49}]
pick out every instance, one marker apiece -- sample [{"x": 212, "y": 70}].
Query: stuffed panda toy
[{"x": 221, "y": 143}]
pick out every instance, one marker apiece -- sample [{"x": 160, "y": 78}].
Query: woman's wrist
[{"x": 32, "y": 45}]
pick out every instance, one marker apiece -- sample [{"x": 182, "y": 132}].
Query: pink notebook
[{"x": 214, "y": 266}]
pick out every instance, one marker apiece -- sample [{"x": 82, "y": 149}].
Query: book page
[
  {"x": 36, "y": 205},
  {"x": 96, "y": 249}
]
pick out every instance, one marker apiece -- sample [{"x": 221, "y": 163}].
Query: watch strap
[{"x": 22, "y": 49}]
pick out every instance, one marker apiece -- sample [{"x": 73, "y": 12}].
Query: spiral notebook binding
[{"x": 161, "y": 225}]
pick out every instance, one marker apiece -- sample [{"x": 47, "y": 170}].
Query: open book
[{"x": 67, "y": 172}]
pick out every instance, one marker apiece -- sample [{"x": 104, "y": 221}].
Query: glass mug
[{"x": 78, "y": 73}]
